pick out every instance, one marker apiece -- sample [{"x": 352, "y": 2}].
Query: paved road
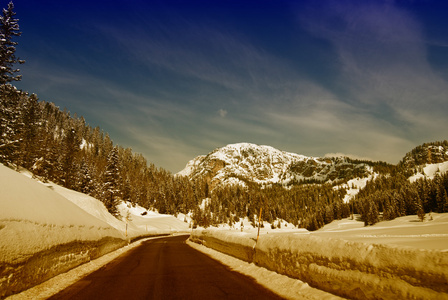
[{"x": 165, "y": 268}]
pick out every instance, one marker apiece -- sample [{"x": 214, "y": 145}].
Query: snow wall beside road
[
  {"x": 43, "y": 234},
  {"x": 22, "y": 274},
  {"x": 348, "y": 269}
]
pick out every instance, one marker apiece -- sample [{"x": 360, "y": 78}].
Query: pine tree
[
  {"x": 420, "y": 211},
  {"x": 111, "y": 177},
  {"x": 84, "y": 181},
  {"x": 9, "y": 28},
  {"x": 127, "y": 190},
  {"x": 29, "y": 136},
  {"x": 11, "y": 126},
  {"x": 68, "y": 159}
]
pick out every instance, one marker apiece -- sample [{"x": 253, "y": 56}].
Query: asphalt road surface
[{"x": 165, "y": 268}]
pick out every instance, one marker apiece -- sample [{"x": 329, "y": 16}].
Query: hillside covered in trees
[
  {"x": 394, "y": 195},
  {"x": 55, "y": 146}
]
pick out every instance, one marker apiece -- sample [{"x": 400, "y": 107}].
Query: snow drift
[
  {"x": 349, "y": 269},
  {"x": 138, "y": 225}
]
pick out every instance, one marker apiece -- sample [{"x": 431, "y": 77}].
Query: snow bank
[
  {"x": 349, "y": 269},
  {"x": 284, "y": 286},
  {"x": 43, "y": 234}
]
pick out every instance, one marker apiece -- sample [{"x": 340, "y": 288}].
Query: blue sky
[{"x": 177, "y": 79}]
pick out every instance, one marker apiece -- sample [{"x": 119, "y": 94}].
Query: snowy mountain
[{"x": 244, "y": 162}]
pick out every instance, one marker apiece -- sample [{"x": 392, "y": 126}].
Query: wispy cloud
[
  {"x": 382, "y": 55},
  {"x": 205, "y": 53},
  {"x": 222, "y": 113}
]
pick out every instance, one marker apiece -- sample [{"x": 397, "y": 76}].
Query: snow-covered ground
[
  {"x": 140, "y": 221},
  {"x": 137, "y": 224},
  {"x": 46, "y": 229},
  {"x": 408, "y": 231}
]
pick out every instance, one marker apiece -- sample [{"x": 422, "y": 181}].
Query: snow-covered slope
[
  {"x": 245, "y": 162},
  {"x": 430, "y": 170},
  {"x": 137, "y": 224},
  {"x": 43, "y": 234},
  {"x": 353, "y": 186},
  {"x": 33, "y": 218}
]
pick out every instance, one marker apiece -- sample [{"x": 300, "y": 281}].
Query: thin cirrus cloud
[
  {"x": 318, "y": 121},
  {"x": 382, "y": 54},
  {"x": 383, "y": 64},
  {"x": 205, "y": 53}
]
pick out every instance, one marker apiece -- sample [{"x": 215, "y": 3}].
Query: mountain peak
[{"x": 245, "y": 162}]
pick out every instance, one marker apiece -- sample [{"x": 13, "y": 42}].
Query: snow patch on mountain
[
  {"x": 191, "y": 166},
  {"x": 430, "y": 171},
  {"x": 353, "y": 186}
]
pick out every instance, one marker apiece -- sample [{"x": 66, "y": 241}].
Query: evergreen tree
[
  {"x": 11, "y": 126},
  {"x": 420, "y": 211},
  {"x": 68, "y": 162},
  {"x": 29, "y": 136},
  {"x": 371, "y": 212},
  {"x": 9, "y": 28},
  {"x": 111, "y": 177},
  {"x": 84, "y": 180}
]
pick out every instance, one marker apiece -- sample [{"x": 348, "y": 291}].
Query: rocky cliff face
[{"x": 244, "y": 162}]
